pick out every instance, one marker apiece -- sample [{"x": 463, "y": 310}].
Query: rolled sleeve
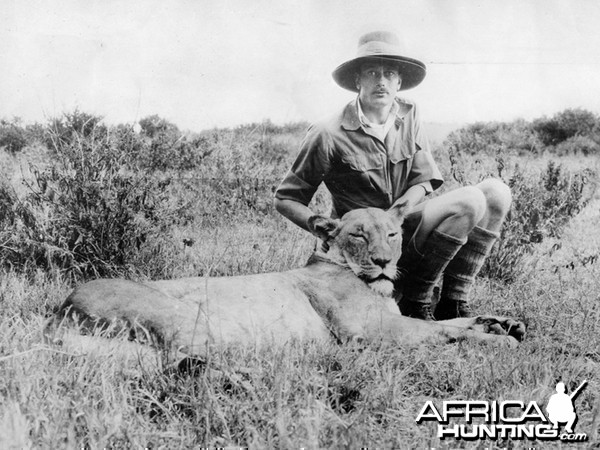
[
  {"x": 310, "y": 168},
  {"x": 424, "y": 169},
  {"x": 427, "y": 186}
]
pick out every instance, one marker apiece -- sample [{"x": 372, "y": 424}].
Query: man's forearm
[
  {"x": 414, "y": 195},
  {"x": 294, "y": 211}
]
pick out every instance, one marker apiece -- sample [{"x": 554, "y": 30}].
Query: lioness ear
[
  {"x": 399, "y": 210},
  {"x": 323, "y": 227}
]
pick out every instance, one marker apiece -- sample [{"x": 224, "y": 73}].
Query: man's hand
[{"x": 414, "y": 195}]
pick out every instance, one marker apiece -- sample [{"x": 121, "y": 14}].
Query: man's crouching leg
[
  {"x": 460, "y": 273},
  {"x": 419, "y": 272},
  {"x": 445, "y": 223}
]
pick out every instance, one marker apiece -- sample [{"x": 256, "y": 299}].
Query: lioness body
[{"x": 337, "y": 295}]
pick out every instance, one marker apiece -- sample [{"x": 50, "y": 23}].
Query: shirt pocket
[
  {"x": 404, "y": 147},
  {"x": 362, "y": 162},
  {"x": 362, "y": 174}
]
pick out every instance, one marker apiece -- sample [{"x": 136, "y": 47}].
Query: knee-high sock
[
  {"x": 461, "y": 272},
  {"x": 420, "y": 271}
]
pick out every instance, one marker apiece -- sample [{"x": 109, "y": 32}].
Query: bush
[
  {"x": 542, "y": 205},
  {"x": 268, "y": 128},
  {"x": 19, "y": 230},
  {"x": 564, "y": 125},
  {"x": 160, "y": 146},
  {"x": 163, "y": 152},
  {"x": 155, "y": 126},
  {"x": 577, "y": 145},
  {"x": 65, "y": 131},
  {"x": 107, "y": 203},
  {"x": 12, "y": 136},
  {"x": 88, "y": 214},
  {"x": 577, "y": 129},
  {"x": 494, "y": 137}
]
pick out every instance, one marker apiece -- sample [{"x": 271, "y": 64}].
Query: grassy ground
[{"x": 301, "y": 395}]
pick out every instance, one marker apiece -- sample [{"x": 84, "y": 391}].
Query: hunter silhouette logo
[
  {"x": 506, "y": 419},
  {"x": 560, "y": 407}
]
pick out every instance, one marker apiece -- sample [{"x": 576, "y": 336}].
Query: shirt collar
[
  {"x": 352, "y": 121},
  {"x": 364, "y": 120}
]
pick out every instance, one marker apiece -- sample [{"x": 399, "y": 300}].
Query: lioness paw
[{"x": 501, "y": 326}]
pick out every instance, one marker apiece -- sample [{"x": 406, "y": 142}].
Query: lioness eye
[
  {"x": 358, "y": 236},
  {"x": 393, "y": 234}
]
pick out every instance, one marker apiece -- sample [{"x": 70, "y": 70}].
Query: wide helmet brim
[{"x": 411, "y": 70}]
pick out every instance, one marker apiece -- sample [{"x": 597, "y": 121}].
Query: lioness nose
[{"x": 380, "y": 261}]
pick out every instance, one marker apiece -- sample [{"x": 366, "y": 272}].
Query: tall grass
[{"x": 298, "y": 395}]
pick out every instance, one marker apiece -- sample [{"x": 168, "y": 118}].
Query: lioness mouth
[
  {"x": 382, "y": 284},
  {"x": 381, "y": 277}
]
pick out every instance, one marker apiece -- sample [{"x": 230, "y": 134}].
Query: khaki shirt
[{"x": 359, "y": 169}]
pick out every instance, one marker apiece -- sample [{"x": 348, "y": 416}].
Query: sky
[{"x": 202, "y": 64}]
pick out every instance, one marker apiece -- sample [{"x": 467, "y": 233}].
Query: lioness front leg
[
  {"x": 407, "y": 330},
  {"x": 490, "y": 325}
]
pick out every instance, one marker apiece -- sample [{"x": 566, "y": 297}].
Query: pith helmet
[{"x": 382, "y": 46}]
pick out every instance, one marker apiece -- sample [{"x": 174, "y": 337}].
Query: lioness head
[{"x": 368, "y": 240}]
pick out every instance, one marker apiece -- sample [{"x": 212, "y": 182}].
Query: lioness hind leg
[{"x": 78, "y": 338}]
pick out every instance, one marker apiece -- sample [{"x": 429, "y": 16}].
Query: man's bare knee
[
  {"x": 498, "y": 199},
  {"x": 470, "y": 204},
  {"x": 461, "y": 210},
  {"x": 497, "y": 194}
]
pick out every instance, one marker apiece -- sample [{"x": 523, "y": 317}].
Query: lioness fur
[{"x": 343, "y": 294}]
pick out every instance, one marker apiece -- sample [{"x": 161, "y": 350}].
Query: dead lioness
[{"x": 343, "y": 294}]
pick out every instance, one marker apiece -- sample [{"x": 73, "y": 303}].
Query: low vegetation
[{"x": 81, "y": 199}]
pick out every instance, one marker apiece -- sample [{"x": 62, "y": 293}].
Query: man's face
[{"x": 377, "y": 84}]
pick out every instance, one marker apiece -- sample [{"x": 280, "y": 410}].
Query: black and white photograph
[{"x": 299, "y": 224}]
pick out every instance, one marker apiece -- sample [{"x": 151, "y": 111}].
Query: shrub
[
  {"x": 12, "y": 136},
  {"x": 36, "y": 133},
  {"x": 153, "y": 126},
  {"x": 564, "y": 125},
  {"x": 542, "y": 205},
  {"x": 88, "y": 214},
  {"x": 165, "y": 152},
  {"x": 19, "y": 230},
  {"x": 543, "y": 202},
  {"x": 66, "y": 130},
  {"x": 268, "y": 128},
  {"x": 493, "y": 137},
  {"x": 575, "y": 145},
  {"x": 577, "y": 128},
  {"x": 161, "y": 146}
]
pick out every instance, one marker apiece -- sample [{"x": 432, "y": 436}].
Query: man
[{"x": 374, "y": 154}]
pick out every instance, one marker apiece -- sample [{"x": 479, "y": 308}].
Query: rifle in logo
[{"x": 560, "y": 407}]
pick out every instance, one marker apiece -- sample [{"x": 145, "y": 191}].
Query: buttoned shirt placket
[{"x": 392, "y": 122}]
